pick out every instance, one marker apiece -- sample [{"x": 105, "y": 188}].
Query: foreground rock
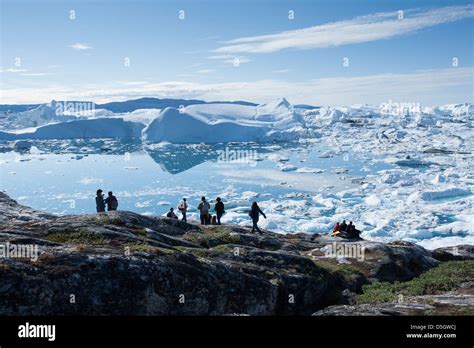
[
  {"x": 126, "y": 264},
  {"x": 457, "y": 302}
]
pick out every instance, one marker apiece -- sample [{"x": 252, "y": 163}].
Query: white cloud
[
  {"x": 14, "y": 70},
  {"x": 80, "y": 46},
  {"x": 35, "y": 74},
  {"x": 205, "y": 71},
  {"x": 221, "y": 56},
  {"x": 427, "y": 87},
  {"x": 372, "y": 27},
  {"x": 231, "y": 59},
  {"x": 184, "y": 75},
  {"x": 281, "y": 71}
]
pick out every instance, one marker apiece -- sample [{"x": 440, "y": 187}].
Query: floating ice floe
[
  {"x": 448, "y": 193},
  {"x": 286, "y": 167},
  {"x": 310, "y": 170}
]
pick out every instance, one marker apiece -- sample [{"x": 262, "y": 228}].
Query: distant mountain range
[
  {"x": 17, "y": 107},
  {"x": 131, "y": 105},
  {"x": 141, "y": 103}
]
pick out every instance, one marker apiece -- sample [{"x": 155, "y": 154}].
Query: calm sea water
[{"x": 62, "y": 176}]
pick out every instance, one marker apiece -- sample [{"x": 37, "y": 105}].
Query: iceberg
[
  {"x": 90, "y": 128},
  {"x": 175, "y": 126}
]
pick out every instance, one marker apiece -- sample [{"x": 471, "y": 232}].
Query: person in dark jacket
[
  {"x": 352, "y": 231},
  {"x": 111, "y": 201},
  {"x": 99, "y": 201},
  {"x": 343, "y": 226},
  {"x": 349, "y": 228},
  {"x": 171, "y": 214},
  {"x": 255, "y": 212},
  {"x": 219, "y": 209}
]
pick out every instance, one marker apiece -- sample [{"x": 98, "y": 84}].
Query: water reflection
[{"x": 172, "y": 158}]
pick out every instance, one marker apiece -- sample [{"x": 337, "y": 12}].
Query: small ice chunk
[
  {"x": 309, "y": 170},
  {"x": 372, "y": 200}
]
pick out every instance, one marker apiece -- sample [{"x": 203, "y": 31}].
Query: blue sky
[{"x": 406, "y": 59}]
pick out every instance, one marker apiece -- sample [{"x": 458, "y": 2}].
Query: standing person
[
  {"x": 99, "y": 201},
  {"x": 183, "y": 208},
  {"x": 111, "y": 201},
  {"x": 203, "y": 208},
  {"x": 219, "y": 209},
  {"x": 255, "y": 214}
]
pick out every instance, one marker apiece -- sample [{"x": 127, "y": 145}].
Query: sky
[{"x": 318, "y": 52}]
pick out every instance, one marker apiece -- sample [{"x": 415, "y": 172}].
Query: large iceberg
[
  {"x": 215, "y": 123},
  {"x": 177, "y": 127}
]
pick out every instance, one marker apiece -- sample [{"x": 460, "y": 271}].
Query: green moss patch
[
  {"x": 139, "y": 247},
  {"x": 81, "y": 237},
  {"x": 447, "y": 276},
  {"x": 213, "y": 236}
]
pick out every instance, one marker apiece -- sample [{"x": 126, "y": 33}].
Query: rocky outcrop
[
  {"x": 459, "y": 252},
  {"x": 457, "y": 302},
  {"x": 123, "y": 263}
]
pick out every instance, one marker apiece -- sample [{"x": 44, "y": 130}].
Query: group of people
[
  {"x": 342, "y": 230},
  {"x": 100, "y": 202},
  {"x": 345, "y": 230},
  {"x": 207, "y": 218},
  {"x": 204, "y": 210}
]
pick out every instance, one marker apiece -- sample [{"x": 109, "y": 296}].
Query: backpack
[
  {"x": 205, "y": 207},
  {"x": 181, "y": 206}
]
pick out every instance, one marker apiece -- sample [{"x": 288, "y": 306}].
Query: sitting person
[
  {"x": 349, "y": 232},
  {"x": 171, "y": 214},
  {"x": 349, "y": 227},
  {"x": 353, "y": 232},
  {"x": 343, "y": 226}
]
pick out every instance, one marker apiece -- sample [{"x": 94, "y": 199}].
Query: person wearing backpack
[
  {"x": 183, "y": 208},
  {"x": 203, "y": 208},
  {"x": 219, "y": 209},
  {"x": 255, "y": 212},
  {"x": 111, "y": 201},
  {"x": 99, "y": 201}
]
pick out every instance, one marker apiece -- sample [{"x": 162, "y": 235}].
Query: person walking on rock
[
  {"x": 219, "y": 209},
  {"x": 255, "y": 212},
  {"x": 203, "y": 208},
  {"x": 183, "y": 208}
]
